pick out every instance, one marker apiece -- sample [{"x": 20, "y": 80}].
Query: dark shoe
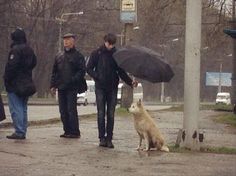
[
  {"x": 64, "y": 135},
  {"x": 15, "y": 136},
  {"x": 109, "y": 144},
  {"x": 103, "y": 142},
  {"x": 73, "y": 136}
]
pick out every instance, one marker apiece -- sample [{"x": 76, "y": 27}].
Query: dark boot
[
  {"x": 15, "y": 136},
  {"x": 110, "y": 144},
  {"x": 103, "y": 142}
]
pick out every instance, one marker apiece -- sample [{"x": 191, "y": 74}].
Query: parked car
[
  {"x": 137, "y": 92},
  {"x": 87, "y": 97},
  {"x": 223, "y": 98},
  {"x": 82, "y": 99}
]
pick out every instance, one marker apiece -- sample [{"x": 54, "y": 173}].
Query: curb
[{"x": 42, "y": 122}]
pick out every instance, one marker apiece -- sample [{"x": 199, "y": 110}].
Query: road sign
[
  {"x": 213, "y": 79},
  {"x": 128, "y": 11},
  {"x": 128, "y": 5}
]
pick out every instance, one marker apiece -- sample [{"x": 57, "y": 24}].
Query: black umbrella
[{"x": 143, "y": 63}]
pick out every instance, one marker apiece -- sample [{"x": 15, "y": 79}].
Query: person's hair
[{"x": 110, "y": 38}]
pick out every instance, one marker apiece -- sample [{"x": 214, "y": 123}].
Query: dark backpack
[{"x": 24, "y": 85}]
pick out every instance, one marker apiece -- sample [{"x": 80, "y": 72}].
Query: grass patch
[
  {"x": 218, "y": 107},
  {"x": 229, "y": 119},
  {"x": 123, "y": 112},
  {"x": 175, "y": 108},
  {"x": 216, "y": 150},
  {"x": 219, "y": 150},
  {"x": 222, "y": 107}
]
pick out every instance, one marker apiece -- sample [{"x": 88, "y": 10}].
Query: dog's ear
[{"x": 139, "y": 103}]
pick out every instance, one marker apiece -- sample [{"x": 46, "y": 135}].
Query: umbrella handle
[
  {"x": 133, "y": 78},
  {"x": 135, "y": 83}
]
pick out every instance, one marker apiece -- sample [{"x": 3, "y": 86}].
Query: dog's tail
[{"x": 164, "y": 148}]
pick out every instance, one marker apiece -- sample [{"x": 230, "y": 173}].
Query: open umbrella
[{"x": 143, "y": 63}]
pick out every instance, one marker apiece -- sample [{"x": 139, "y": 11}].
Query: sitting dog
[{"x": 146, "y": 128}]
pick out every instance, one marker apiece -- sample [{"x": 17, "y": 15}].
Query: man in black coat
[
  {"x": 18, "y": 81},
  {"x": 105, "y": 72},
  {"x": 68, "y": 78}
]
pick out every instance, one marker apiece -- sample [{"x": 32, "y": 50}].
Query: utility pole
[
  {"x": 127, "y": 91},
  {"x": 128, "y": 16},
  {"x": 190, "y": 133},
  {"x": 232, "y": 33},
  {"x": 220, "y": 78},
  {"x": 233, "y": 90}
]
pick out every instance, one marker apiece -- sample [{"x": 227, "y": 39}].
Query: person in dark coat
[
  {"x": 105, "y": 72},
  {"x": 68, "y": 78},
  {"x": 18, "y": 73},
  {"x": 2, "y": 111}
]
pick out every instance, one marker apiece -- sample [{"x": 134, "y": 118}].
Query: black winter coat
[
  {"x": 21, "y": 61},
  {"x": 69, "y": 71},
  {"x": 104, "y": 70}
]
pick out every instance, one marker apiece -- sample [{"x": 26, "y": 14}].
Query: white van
[
  {"x": 223, "y": 98},
  {"x": 87, "y": 97},
  {"x": 137, "y": 92}
]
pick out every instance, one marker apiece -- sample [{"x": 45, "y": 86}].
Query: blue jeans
[
  {"x": 18, "y": 110},
  {"x": 68, "y": 110},
  {"x": 106, "y": 100}
]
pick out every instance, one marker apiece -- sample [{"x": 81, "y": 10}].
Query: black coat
[
  {"x": 2, "y": 112},
  {"x": 104, "y": 70},
  {"x": 21, "y": 61},
  {"x": 69, "y": 71}
]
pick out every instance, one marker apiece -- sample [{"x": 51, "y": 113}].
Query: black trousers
[
  {"x": 106, "y": 104},
  {"x": 68, "y": 110}
]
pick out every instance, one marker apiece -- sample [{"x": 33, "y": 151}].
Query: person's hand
[
  {"x": 53, "y": 91},
  {"x": 135, "y": 83}
]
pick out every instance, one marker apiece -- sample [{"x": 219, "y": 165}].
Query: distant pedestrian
[
  {"x": 18, "y": 81},
  {"x": 105, "y": 72},
  {"x": 68, "y": 78},
  {"x": 2, "y": 112}
]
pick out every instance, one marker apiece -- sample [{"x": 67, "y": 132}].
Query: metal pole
[
  {"x": 192, "y": 75},
  {"x": 233, "y": 90},
  {"x": 162, "y": 92},
  {"x": 163, "y": 84},
  {"x": 220, "y": 78},
  {"x": 61, "y": 20},
  {"x": 59, "y": 39}
]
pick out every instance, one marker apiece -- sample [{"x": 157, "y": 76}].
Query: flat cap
[{"x": 68, "y": 35}]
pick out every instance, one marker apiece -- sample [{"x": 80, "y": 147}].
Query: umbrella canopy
[{"x": 143, "y": 63}]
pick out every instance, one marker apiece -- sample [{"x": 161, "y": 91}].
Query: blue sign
[
  {"x": 213, "y": 79},
  {"x": 128, "y": 17},
  {"x": 128, "y": 11}
]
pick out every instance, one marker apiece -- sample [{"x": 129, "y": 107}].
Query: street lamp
[
  {"x": 61, "y": 20},
  {"x": 163, "y": 84},
  {"x": 220, "y": 77}
]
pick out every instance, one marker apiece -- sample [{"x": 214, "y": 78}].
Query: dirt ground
[{"x": 45, "y": 154}]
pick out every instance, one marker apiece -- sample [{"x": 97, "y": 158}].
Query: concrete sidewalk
[{"x": 43, "y": 153}]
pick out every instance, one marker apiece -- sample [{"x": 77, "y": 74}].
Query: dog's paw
[
  {"x": 146, "y": 150},
  {"x": 139, "y": 148}
]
